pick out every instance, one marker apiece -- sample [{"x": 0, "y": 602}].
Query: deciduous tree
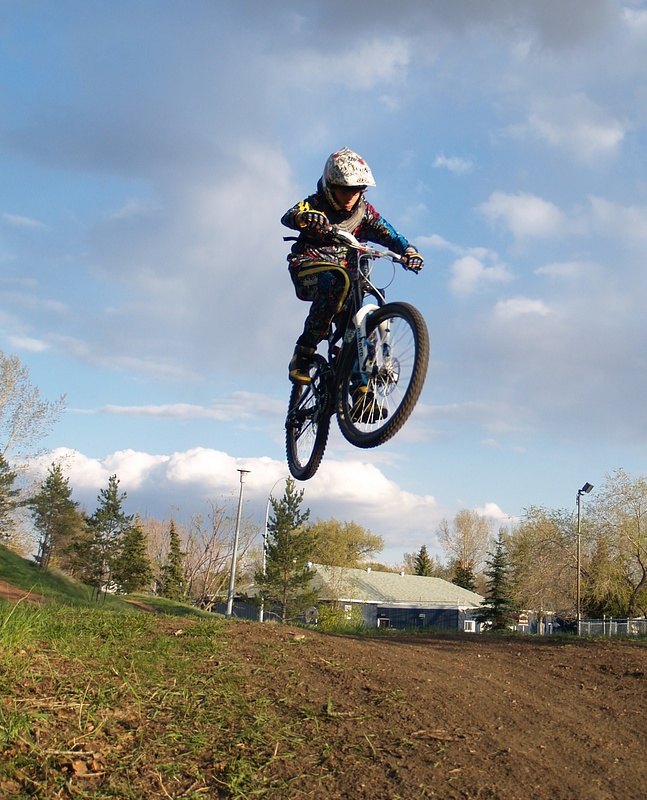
[
  {"x": 542, "y": 557},
  {"x": 619, "y": 519},
  {"x": 344, "y": 544},
  {"x": 25, "y": 417},
  {"x": 466, "y": 541}
]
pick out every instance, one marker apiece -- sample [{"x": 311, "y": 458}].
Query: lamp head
[{"x": 586, "y": 488}]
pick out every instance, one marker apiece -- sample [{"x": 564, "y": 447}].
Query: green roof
[{"x": 369, "y": 586}]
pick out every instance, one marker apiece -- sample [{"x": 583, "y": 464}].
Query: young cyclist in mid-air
[{"x": 318, "y": 261}]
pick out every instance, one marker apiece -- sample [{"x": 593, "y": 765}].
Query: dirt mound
[{"x": 455, "y": 716}]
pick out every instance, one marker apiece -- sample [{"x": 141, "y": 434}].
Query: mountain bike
[{"x": 373, "y": 374}]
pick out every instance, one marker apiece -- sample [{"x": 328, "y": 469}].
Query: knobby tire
[
  {"x": 398, "y": 381},
  {"x": 308, "y": 423}
]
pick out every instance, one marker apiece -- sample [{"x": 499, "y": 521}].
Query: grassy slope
[{"x": 103, "y": 695}]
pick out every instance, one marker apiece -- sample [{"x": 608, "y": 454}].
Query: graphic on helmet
[{"x": 346, "y": 168}]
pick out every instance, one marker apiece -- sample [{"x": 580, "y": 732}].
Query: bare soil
[
  {"x": 463, "y": 716},
  {"x": 13, "y": 594}
]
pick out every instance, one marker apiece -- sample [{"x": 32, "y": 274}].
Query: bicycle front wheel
[
  {"x": 372, "y": 407},
  {"x": 308, "y": 422}
]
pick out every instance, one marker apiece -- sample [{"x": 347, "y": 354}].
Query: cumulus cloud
[
  {"x": 525, "y": 215},
  {"x": 493, "y": 512},
  {"x": 182, "y": 483},
  {"x": 469, "y": 273}
]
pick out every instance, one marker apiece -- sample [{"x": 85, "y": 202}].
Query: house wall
[{"x": 439, "y": 618}]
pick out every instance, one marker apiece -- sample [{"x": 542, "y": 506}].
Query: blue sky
[{"x": 148, "y": 151}]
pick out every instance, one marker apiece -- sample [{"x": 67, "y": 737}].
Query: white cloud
[
  {"x": 469, "y": 273},
  {"x": 568, "y": 270},
  {"x": 628, "y": 223},
  {"x": 23, "y": 222},
  {"x": 493, "y": 512},
  {"x": 494, "y": 443},
  {"x": 364, "y": 66},
  {"x": 519, "y": 306},
  {"x": 240, "y": 405},
  {"x": 454, "y": 164},
  {"x": 525, "y": 215},
  {"x": 27, "y": 343},
  {"x": 577, "y": 125},
  {"x": 183, "y": 482}
]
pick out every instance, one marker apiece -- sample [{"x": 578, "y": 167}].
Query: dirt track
[
  {"x": 442, "y": 716},
  {"x": 457, "y": 717}
]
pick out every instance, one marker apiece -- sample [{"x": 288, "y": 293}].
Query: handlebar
[{"x": 365, "y": 249}]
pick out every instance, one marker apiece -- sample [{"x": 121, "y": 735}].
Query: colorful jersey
[{"x": 315, "y": 242}]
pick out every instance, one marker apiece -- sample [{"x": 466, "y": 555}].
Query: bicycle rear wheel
[
  {"x": 371, "y": 408},
  {"x": 308, "y": 422}
]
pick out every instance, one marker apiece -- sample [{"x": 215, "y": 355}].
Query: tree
[
  {"x": 173, "y": 579},
  {"x": 107, "y": 526},
  {"x": 9, "y": 498},
  {"x": 132, "y": 569},
  {"x": 344, "y": 544},
  {"x": 56, "y": 518},
  {"x": 290, "y": 547},
  {"x": 542, "y": 556},
  {"x": 464, "y": 576},
  {"x": 466, "y": 541},
  {"x": 24, "y": 416},
  {"x": 207, "y": 544},
  {"x": 619, "y": 517},
  {"x": 497, "y": 609},
  {"x": 423, "y": 565}
]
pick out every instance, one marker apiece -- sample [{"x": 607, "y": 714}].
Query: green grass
[{"x": 107, "y": 701}]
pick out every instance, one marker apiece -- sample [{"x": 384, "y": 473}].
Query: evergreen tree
[
  {"x": 108, "y": 525},
  {"x": 423, "y": 565},
  {"x": 9, "y": 498},
  {"x": 464, "y": 576},
  {"x": 132, "y": 569},
  {"x": 172, "y": 582},
  {"x": 289, "y": 549},
  {"x": 56, "y": 518},
  {"x": 497, "y": 609}
]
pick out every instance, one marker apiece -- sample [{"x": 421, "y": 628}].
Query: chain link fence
[{"x": 613, "y": 627}]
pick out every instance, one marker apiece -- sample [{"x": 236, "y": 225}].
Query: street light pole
[
  {"x": 234, "y": 554},
  {"x": 261, "y": 614},
  {"x": 578, "y": 603}
]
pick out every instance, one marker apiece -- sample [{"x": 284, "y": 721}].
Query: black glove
[{"x": 412, "y": 260}]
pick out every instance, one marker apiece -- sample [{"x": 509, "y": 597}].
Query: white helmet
[{"x": 346, "y": 168}]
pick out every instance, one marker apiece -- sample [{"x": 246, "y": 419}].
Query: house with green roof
[{"x": 397, "y": 600}]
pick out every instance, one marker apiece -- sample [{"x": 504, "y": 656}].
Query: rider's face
[{"x": 347, "y": 196}]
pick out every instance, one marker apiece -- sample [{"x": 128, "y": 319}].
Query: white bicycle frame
[{"x": 368, "y": 355}]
